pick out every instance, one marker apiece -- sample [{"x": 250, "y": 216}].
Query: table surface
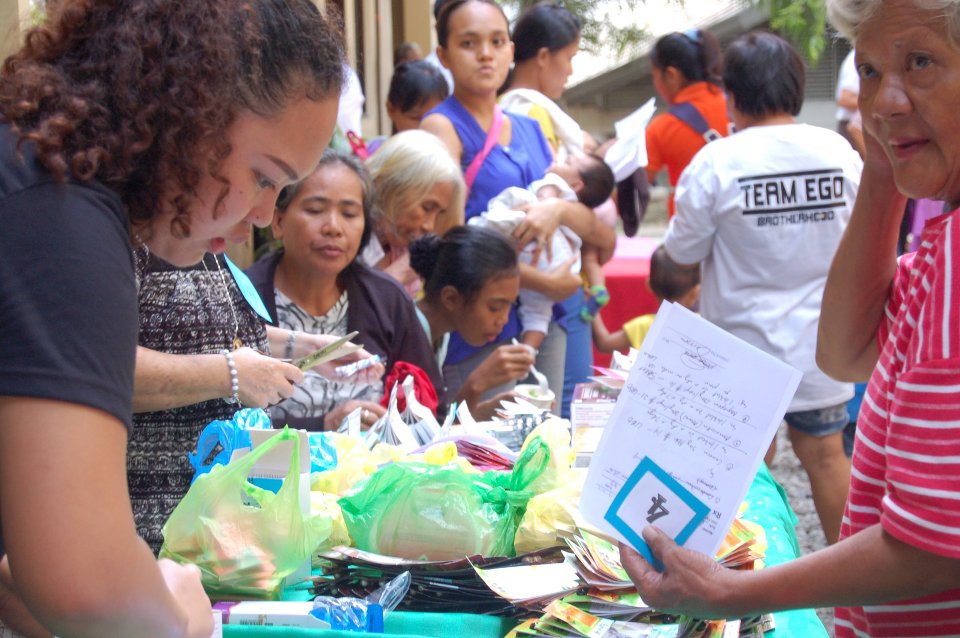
[
  {"x": 626, "y": 278},
  {"x": 766, "y": 505}
]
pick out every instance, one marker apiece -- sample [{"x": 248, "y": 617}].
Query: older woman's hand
[
  {"x": 370, "y": 412},
  {"x": 264, "y": 380},
  {"x": 397, "y": 265},
  {"x": 690, "y": 582}
]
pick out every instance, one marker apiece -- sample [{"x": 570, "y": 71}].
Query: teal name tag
[{"x": 247, "y": 290}]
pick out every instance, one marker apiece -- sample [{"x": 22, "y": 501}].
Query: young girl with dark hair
[
  {"x": 471, "y": 280},
  {"x": 171, "y": 125},
  {"x": 415, "y": 88},
  {"x": 547, "y": 37},
  {"x": 687, "y": 70}
]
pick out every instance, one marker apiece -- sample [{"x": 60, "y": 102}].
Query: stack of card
[
  {"x": 597, "y": 560},
  {"x": 532, "y": 586},
  {"x": 743, "y": 546},
  {"x": 564, "y": 619},
  {"x": 436, "y": 586},
  {"x": 485, "y": 457}
]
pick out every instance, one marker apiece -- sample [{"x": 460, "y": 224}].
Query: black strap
[
  {"x": 633, "y": 197},
  {"x": 689, "y": 115}
]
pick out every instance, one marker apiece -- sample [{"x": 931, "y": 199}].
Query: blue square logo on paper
[{"x": 650, "y": 496}]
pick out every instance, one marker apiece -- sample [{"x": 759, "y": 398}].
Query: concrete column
[
  {"x": 14, "y": 19},
  {"x": 418, "y": 24}
]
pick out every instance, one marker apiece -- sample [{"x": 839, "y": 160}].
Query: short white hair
[
  {"x": 406, "y": 167},
  {"x": 848, "y": 16}
]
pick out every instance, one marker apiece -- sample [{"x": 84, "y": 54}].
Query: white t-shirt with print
[{"x": 764, "y": 210}]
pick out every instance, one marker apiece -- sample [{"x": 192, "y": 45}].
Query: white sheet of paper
[
  {"x": 522, "y": 582},
  {"x": 629, "y": 152},
  {"x": 703, "y": 405}
]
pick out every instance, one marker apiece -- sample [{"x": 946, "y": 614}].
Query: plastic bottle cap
[{"x": 374, "y": 618}]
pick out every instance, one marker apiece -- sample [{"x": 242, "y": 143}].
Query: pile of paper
[
  {"x": 566, "y": 618},
  {"x": 611, "y": 607},
  {"x": 743, "y": 546},
  {"x": 597, "y": 561},
  {"x": 616, "y": 375},
  {"x": 485, "y": 456},
  {"x": 531, "y": 585},
  {"x": 569, "y": 618},
  {"x": 436, "y": 586},
  {"x": 414, "y": 427}
]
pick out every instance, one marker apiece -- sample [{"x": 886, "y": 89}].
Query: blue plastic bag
[
  {"x": 229, "y": 435},
  {"x": 323, "y": 453}
]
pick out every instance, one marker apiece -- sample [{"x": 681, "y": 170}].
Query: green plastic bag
[
  {"x": 245, "y": 540},
  {"x": 421, "y": 511}
]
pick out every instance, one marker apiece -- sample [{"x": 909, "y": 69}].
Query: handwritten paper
[{"x": 688, "y": 433}]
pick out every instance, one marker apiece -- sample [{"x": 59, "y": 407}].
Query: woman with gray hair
[
  {"x": 316, "y": 285},
  {"x": 896, "y": 569},
  {"x": 419, "y": 190}
]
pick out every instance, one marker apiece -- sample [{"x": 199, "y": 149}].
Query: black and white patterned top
[
  {"x": 182, "y": 311},
  {"x": 317, "y": 396}
]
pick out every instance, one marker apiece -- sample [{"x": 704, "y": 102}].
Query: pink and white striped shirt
[{"x": 906, "y": 465}]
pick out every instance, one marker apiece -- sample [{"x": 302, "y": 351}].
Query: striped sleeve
[
  {"x": 922, "y": 505},
  {"x": 901, "y": 280}
]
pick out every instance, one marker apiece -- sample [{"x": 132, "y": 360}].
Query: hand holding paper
[
  {"x": 692, "y": 422},
  {"x": 688, "y": 580},
  {"x": 333, "y": 356}
]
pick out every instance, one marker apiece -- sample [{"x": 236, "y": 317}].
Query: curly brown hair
[{"x": 139, "y": 94}]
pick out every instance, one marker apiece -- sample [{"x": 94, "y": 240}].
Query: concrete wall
[{"x": 14, "y": 18}]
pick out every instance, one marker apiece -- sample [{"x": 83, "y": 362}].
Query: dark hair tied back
[
  {"x": 446, "y": 13},
  {"x": 424, "y": 253},
  {"x": 544, "y": 25},
  {"x": 415, "y": 83},
  {"x": 466, "y": 257},
  {"x": 695, "y": 53}
]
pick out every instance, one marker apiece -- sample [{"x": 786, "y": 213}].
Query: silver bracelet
[
  {"x": 291, "y": 340},
  {"x": 234, "y": 380}
]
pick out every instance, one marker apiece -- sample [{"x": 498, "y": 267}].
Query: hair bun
[{"x": 424, "y": 253}]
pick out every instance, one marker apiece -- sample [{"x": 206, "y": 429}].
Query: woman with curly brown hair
[{"x": 167, "y": 124}]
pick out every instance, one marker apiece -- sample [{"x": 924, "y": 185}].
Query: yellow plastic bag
[
  {"x": 546, "y": 513},
  {"x": 354, "y": 463},
  {"x": 323, "y": 504},
  {"x": 556, "y": 435}
]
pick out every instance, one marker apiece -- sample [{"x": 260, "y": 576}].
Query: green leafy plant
[{"x": 803, "y": 22}]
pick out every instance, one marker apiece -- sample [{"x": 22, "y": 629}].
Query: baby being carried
[{"x": 582, "y": 177}]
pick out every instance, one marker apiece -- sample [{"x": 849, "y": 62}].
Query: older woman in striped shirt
[{"x": 896, "y": 569}]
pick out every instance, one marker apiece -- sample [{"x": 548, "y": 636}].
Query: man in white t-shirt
[{"x": 763, "y": 211}]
